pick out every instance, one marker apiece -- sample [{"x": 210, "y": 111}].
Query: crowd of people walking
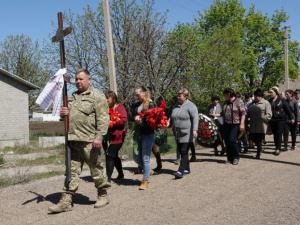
[{"x": 92, "y": 128}]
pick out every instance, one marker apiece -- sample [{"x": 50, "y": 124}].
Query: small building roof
[{"x": 18, "y": 79}]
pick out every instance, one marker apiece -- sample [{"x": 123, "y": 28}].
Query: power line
[
  {"x": 198, "y": 3},
  {"x": 175, "y": 3}
]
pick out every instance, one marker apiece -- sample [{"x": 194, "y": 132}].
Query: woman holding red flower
[
  {"x": 145, "y": 129},
  {"x": 115, "y": 135},
  {"x": 184, "y": 120}
]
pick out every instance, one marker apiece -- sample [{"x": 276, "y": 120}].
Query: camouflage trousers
[{"x": 84, "y": 152}]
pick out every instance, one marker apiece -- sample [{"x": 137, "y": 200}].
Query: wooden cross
[{"x": 59, "y": 37}]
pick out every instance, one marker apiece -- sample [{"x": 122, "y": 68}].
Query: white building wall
[{"x": 14, "y": 116}]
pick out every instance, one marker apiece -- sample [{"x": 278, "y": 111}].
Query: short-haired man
[{"x": 89, "y": 118}]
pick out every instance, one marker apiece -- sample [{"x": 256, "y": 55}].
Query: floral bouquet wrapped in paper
[
  {"x": 155, "y": 117},
  {"x": 114, "y": 117}
]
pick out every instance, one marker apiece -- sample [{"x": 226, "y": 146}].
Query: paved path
[{"x": 265, "y": 191}]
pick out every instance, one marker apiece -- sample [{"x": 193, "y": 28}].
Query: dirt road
[{"x": 262, "y": 191}]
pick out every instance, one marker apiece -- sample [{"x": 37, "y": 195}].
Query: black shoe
[
  {"x": 292, "y": 148},
  {"x": 257, "y": 156},
  {"x": 193, "y": 159},
  {"x": 222, "y": 152},
  {"x": 245, "y": 149},
  {"x": 277, "y": 152},
  {"x": 157, "y": 168},
  {"x": 235, "y": 162},
  {"x": 284, "y": 149},
  {"x": 120, "y": 177}
]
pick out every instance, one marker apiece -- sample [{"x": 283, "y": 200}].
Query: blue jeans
[{"x": 145, "y": 144}]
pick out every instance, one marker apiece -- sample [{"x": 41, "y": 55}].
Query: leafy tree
[
  {"x": 213, "y": 56},
  {"x": 22, "y": 57},
  {"x": 262, "y": 39},
  {"x": 141, "y": 54},
  {"x": 230, "y": 46}
]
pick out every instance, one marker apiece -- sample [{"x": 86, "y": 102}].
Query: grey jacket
[
  {"x": 219, "y": 109},
  {"x": 184, "y": 119},
  {"x": 259, "y": 113}
]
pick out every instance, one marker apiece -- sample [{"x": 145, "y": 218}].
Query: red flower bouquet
[
  {"x": 156, "y": 116},
  {"x": 114, "y": 117}
]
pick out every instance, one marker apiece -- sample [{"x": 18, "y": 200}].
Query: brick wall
[{"x": 13, "y": 113}]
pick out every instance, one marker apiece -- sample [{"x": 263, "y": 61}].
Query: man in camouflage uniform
[{"x": 89, "y": 118}]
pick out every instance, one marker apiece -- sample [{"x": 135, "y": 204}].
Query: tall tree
[
  {"x": 141, "y": 57},
  {"x": 230, "y": 46},
  {"x": 262, "y": 39},
  {"x": 21, "y": 56}
]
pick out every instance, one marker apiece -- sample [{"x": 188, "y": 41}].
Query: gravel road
[{"x": 262, "y": 191}]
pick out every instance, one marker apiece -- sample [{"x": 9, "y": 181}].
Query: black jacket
[{"x": 281, "y": 110}]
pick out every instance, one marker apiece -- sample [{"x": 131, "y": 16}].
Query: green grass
[
  {"x": 5, "y": 182},
  {"x": 172, "y": 143},
  {"x": 35, "y": 137},
  {"x": 52, "y": 159},
  {"x": 46, "y": 175},
  {"x": 25, "y": 149},
  {"x": 2, "y": 161}
]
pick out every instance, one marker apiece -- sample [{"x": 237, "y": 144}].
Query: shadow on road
[
  {"x": 54, "y": 198},
  {"x": 246, "y": 156}
]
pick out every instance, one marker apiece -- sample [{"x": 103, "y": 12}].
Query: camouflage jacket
[{"x": 88, "y": 115}]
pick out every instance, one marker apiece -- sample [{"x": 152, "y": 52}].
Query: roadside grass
[
  {"x": 24, "y": 149},
  {"x": 52, "y": 159},
  {"x": 18, "y": 179}
]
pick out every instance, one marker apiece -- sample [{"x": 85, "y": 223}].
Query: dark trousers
[
  {"x": 113, "y": 160},
  {"x": 192, "y": 147},
  {"x": 293, "y": 129},
  {"x": 278, "y": 128},
  {"x": 184, "y": 162},
  {"x": 231, "y": 133}
]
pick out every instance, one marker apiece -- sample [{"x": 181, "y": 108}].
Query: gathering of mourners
[{"x": 99, "y": 121}]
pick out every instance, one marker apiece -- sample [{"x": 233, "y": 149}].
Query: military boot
[
  {"x": 102, "y": 199},
  {"x": 64, "y": 204}
]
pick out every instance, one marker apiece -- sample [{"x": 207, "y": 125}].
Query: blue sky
[{"x": 34, "y": 17}]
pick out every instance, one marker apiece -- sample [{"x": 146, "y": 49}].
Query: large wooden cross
[{"x": 59, "y": 37}]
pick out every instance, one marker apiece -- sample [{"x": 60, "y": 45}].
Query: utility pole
[
  {"x": 286, "y": 58},
  {"x": 110, "y": 48}
]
